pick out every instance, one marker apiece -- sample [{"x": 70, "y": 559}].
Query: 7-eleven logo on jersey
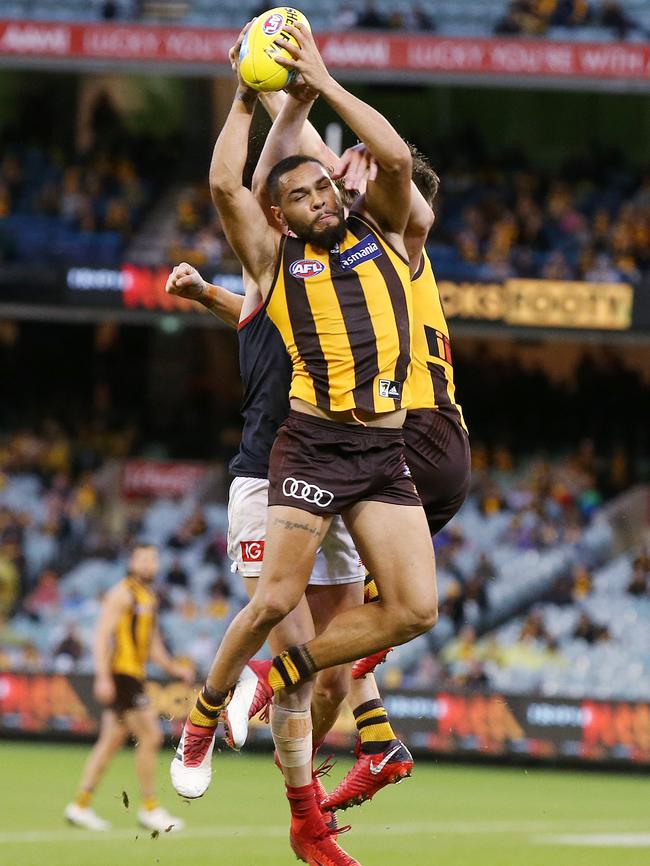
[{"x": 252, "y": 551}]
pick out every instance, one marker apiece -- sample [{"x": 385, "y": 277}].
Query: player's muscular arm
[
  {"x": 420, "y": 221},
  {"x": 308, "y": 141},
  {"x": 357, "y": 169},
  {"x": 387, "y": 197},
  {"x": 116, "y": 602},
  {"x": 244, "y": 222},
  {"x": 186, "y": 282},
  {"x": 291, "y": 133}
]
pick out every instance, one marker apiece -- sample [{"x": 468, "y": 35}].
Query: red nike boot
[
  {"x": 367, "y": 665},
  {"x": 370, "y": 774}
]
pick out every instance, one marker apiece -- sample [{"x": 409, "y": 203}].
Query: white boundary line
[
  {"x": 430, "y": 828},
  {"x": 597, "y": 840}
]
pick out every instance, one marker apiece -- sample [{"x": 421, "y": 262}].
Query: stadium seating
[
  {"x": 447, "y": 17},
  {"x": 69, "y": 209},
  {"x": 499, "y": 534}
]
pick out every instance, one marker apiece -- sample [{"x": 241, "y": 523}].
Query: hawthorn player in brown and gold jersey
[
  {"x": 435, "y": 434},
  {"x": 341, "y": 448},
  {"x": 126, "y": 638},
  {"x": 344, "y": 315}
]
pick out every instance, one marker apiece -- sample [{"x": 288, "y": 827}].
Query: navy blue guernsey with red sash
[{"x": 265, "y": 369}]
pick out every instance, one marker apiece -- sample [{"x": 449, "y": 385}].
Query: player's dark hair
[
  {"x": 285, "y": 165},
  {"x": 424, "y": 177}
]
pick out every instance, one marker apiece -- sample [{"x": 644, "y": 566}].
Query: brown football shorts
[
  {"x": 438, "y": 455},
  {"x": 129, "y": 694},
  {"x": 325, "y": 467}
]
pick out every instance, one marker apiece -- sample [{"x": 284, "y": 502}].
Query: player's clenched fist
[{"x": 185, "y": 282}]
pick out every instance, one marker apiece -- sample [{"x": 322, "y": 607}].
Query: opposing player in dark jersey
[{"x": 126, "y": 638}]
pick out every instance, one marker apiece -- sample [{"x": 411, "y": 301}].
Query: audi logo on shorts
[{"x": 299, "y": 489}]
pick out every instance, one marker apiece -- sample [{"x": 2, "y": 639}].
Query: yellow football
[{"x": 258, "y": 50}]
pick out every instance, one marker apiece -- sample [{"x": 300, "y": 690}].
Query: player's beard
[{"x": 325, "y": 238}]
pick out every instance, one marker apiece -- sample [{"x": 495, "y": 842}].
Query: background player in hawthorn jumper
[{"x": 127, "y": 637}]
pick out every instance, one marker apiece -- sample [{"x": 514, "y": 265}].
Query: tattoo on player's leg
[{"x": 290, "y": 524}]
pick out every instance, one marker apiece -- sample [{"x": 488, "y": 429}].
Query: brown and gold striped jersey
[
  {"x": 432, "y": 371},
  {"x": 345, "y": 318},
  {"x": 132, "y": 637}
]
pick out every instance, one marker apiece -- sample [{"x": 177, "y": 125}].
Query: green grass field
[{"x": 444, "y": 815}]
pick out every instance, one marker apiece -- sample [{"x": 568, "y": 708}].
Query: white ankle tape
[{"x": 291, "y": 730}]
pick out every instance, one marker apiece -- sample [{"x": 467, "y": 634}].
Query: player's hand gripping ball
[{"x": 257, "y": 65}]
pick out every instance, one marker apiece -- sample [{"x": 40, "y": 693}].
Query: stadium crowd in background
[
  {"x": 588, "y": 220},
  {"x": 535, "y": 17},
  {"x": 53, "y": 203},
  {"x": 64, "y": 520},
  {"x": 198, "y": 236}
]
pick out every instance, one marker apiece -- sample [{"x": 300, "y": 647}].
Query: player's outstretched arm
[
  {"x": 244, "y": 222},
  {"x": 186, "y": 282},
  {"x": 290, "y": 134},
  {"x": 309, "y": 141},
  {"x": 357, "y": 169},
  {"x": 388, "y": 196}
]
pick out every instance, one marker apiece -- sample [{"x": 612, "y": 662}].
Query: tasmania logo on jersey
[
  {"x": 390, "y": 388},
  {"x": 366, "y": 249},
  {"x": 305, "y": 268},
  {"x": 252, "y": 551},
  {"x": 273, "y": 24}
]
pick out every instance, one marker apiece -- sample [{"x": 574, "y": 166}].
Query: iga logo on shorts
[
  {"x": 299, "y": 489},
  {"x": 305, "y": 268},
  {"x": 273, "y": 24},
  {"x": 252, "y": 551}
]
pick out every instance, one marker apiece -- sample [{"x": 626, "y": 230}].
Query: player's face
[
  {"x": 311, "y": 206},
  {"x": 144, "y": 563}
]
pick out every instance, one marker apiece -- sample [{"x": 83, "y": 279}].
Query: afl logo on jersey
[
  {"x": 272, "y": 24},
  {"x": 304, "y": 268}
]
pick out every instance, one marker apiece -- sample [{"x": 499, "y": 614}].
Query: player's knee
[
  {"x": 270, "y": 609},
  {"x": 423, "y": 617},
  {"x": 416, "y": 619}
]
